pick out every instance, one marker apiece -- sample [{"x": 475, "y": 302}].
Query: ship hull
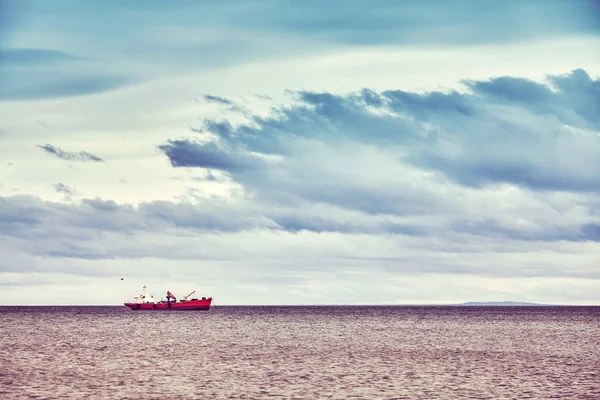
[{"x": 190, "y": 305}]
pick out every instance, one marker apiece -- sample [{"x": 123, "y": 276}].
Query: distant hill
[{"x": 500, "y": 303}]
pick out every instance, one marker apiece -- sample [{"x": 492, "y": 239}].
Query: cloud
[
  {"x": 47, "y": 82},
  {"x": 65, "y": 190},
  {"x": 208, "y": 177},
  {"x": 26, "y": 212},
  {"x": 431, "y": 23},
  {"x": 463, "y": 167},
  {"x": 70, "y": 155},
  {"x": 35, "y": 57},
  {"x": 574, "y": 101},
  {"x": 30, "y": 73},
  {"x": 185, "y": 153},
  {"x": 98, "y": 238},
  {"x": 218, "y": 100},
  {"x": 203, "y": 36},
  {"x": 104, "y": 229},
  {"x": 343, "y": 149},
  {"x": 591, "y": 232},
  {"x": 96, "y": 229}
]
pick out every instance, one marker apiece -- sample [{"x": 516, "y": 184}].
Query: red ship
[{"x": 147, "y": 302}]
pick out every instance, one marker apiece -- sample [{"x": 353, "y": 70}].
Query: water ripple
[{"x": 301, "y": 353}]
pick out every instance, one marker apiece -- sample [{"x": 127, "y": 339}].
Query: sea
[{"x": 317, "y": 352}]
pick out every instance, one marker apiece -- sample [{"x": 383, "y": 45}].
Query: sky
[{"x": 300, "y": 152}]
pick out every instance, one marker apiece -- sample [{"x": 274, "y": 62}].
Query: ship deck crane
[
  {"x": 171, "y": 296},
  {"x": 186, "y": 297}
]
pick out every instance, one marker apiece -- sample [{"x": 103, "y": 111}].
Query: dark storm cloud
[{"x": 70, "y": 155}]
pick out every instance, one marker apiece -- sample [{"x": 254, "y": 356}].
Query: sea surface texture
[{"x": 301, "y": 353}]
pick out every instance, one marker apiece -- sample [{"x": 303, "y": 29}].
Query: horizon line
[{"x": 465, "y": 304}]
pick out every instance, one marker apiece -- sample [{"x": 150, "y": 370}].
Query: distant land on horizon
[{"x": 501, "y": 303}]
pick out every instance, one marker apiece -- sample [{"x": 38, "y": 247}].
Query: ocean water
[{"x": 301, "y": 353}]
